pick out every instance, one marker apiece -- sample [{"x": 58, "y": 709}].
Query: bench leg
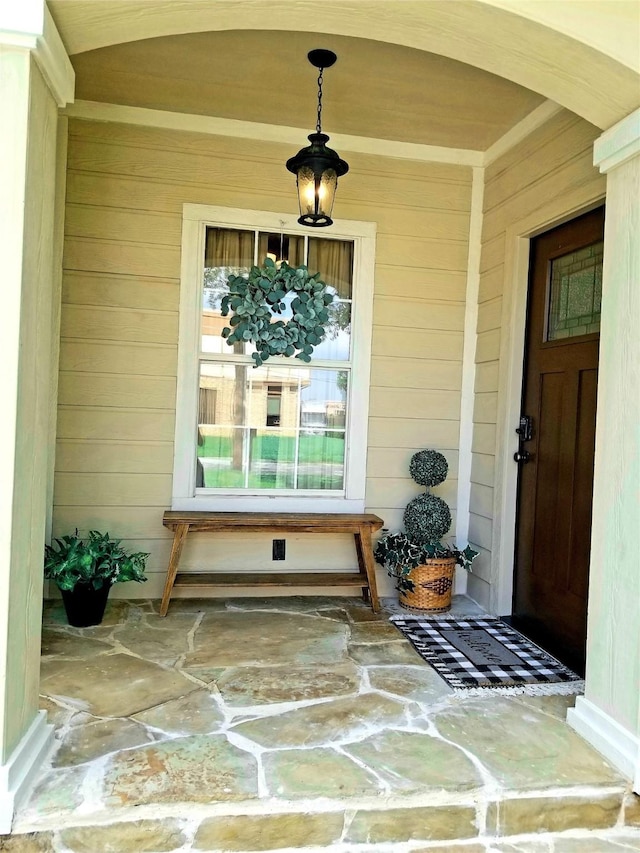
[
  {"x": 364, "y": 550},
  {"x": 179, "y": 535}
]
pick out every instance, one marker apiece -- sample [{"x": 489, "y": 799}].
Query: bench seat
[{"x": 361, "y": 525}]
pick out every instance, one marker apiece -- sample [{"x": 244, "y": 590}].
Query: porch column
[
  {"x": 35, "y": 78},
  {"x": 609, "y": 714}
]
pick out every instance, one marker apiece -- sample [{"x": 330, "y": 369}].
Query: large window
[{"x": 286, "y": 435}]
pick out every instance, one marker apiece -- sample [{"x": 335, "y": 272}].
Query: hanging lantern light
[{"x": 317, "y": 167}]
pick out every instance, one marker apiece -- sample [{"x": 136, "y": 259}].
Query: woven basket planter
[{"x": 433, "y": 586}]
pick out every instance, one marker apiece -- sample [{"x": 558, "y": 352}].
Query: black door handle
[{"x": 521, "y": 456}]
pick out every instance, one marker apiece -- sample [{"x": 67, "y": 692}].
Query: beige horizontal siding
[
  {"x": 125, "y": 192},
  {"x": 440, "y": 285},
  {"x": 387, "y": 461},
  {"x": 427, "y": 374},
  {"x": 419, "y": 405},
  {"x": 105, "y": 423},
  {"x": 481, "y": 531},
  {"x": 420, "y": 313},
  {"x": 483, "y": 469},
  {"x": 485, "y": 408},
  {"x": 550, "y": 170},
  {"x": 114, "y": 457},
  {"x": 119, "y": 324},
  {"x": 433, "y": 344},
  {"x": 113, "y": 291},
  {"x": 95, "y": 389}
]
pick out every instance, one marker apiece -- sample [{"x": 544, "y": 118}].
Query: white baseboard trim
[
  {"x": 18, "y": 774},
  {"x": 619, "y": 746}
]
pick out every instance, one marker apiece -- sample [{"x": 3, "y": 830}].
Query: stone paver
[
  {"x": 632, "y": 810},
  {"x": 57, "y": 792},
  {"x": 421, "y": 684},
  {"x": 438, "y": 823},
  {"x": 253, "y": 724},
  {"x": 196, "y": 713},
  {"x": 62, "y": 644},
  {"x": 552, "y": 814},
  {"x": 374, "y": 632},
  {"x": 618, "y": 843},
  {"x": 321, "y": 772},
  {"x": 266, "y": 638},
  {"x": 32, "y": 842},
  {"x": 141, "y": 836},
  {"x": 197, "y": 769},
  {"x": 393, "y": 653},
  {"x": 523, "y": 748},
  {"x": 99, "y": 737},
  {"x": 267, "y": 832},
  {"x": 163, "y": 644},
  {"x": 327, "y": 722},
  {"x": 257, "y": 685},
  {"x": 112, "y": 685},
  {"x": 409, "y": 761}
]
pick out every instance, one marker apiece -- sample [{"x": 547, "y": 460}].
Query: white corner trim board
[
  {"x": 619, "y": 746},
  {"x": 469, "y": 369},
  {"x": 18, "y": 774},
  {"x": 54, "y": 63}
]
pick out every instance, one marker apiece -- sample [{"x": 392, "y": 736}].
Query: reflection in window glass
[
  {"x": 279, "y": 427},
  {"x": 575, "y": 293},
  {"x": 271, "y": 428}
]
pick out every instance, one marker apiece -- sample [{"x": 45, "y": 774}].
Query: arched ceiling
[
  {"x": 375, "y": 90},
  {"x": 494, "y": 39}
]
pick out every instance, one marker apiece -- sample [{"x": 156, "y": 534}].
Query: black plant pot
[{"x": 84, "y": 604}]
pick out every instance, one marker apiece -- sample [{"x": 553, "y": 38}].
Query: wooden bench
[{"x": 361, "y": 526}]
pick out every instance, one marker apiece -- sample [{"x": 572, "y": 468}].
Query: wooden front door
[{"x": 557, "y": 437}]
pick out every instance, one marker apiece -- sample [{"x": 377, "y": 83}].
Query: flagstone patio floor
[{"x": 298, "y": 723}]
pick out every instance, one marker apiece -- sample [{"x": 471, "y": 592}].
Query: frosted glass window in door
[{"x": 575, "y": 293}]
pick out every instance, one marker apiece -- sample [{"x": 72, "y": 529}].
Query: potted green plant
[
  {"x": 422, "y": 565},
  {"x": 85, "y": 569}
]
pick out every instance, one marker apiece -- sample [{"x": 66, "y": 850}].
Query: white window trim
[{"x": 196, "y": 218}]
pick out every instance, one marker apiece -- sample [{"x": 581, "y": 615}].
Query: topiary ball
[
  {"x": 426, "y": 519},
  {"x": 428, "y": 467}
]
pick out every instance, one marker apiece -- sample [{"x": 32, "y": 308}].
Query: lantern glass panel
[{"x": 318, "y": 203}]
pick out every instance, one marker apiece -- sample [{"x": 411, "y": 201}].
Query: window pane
[
  {"x": 221, "y": 459},
  {"x": 575, "y": 293},
  {"x": 333, "y": 259},
  {"x": 281, "y": 247},
  {"x": 271, "y": 427},
  {"x": 227, "y": 252},
  {"x": 323, "y": 399},
  {"x": 273, "y": 454},
  {"x": 321, "y": 460},
  {"x": 224, "y": 395}
]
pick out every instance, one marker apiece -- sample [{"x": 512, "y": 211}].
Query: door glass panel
[{"x": 575, "y": 293}]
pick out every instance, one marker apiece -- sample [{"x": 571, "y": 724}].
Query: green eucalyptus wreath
[{"x": 253, "y": 301}]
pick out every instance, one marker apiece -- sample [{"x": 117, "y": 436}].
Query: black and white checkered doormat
[{"x": 486, "y": 653}]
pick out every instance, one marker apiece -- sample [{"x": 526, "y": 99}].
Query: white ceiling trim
[
  {"x": 294, "y": 136},
  {"x": 521, "y": 130},
  {"x": 618, "y": 144}
]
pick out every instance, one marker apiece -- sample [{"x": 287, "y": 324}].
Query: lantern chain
[{"x": 319, "y": 122}]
